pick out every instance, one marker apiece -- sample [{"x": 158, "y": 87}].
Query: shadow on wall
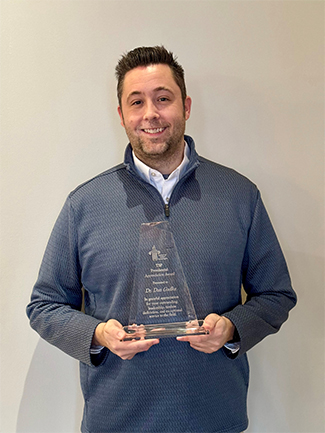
[
  {"x": 287, "y": 368},
  {"x": 52, "y": 399}
]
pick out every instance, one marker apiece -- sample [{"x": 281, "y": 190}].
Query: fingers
[
  {"x": 113, "y": 333},
  {"x": 202, "y": 343},
  {"x": 128, "y": 349},
  {"x": 218, "y": 335}
]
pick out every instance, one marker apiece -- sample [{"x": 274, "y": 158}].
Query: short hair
[{"x": 145, "y": 56}]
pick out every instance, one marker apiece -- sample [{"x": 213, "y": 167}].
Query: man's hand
[
  {"x": 221, "y": 330},
  {"x": 111, "y": 333}
]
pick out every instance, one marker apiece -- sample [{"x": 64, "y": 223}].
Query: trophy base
[{"x": 164, "y": 330}]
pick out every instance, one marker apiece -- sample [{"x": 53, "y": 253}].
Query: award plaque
[{"x": 161, "y": 303}]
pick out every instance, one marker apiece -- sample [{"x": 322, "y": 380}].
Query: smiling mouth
[{"x": 153, "y": 130}]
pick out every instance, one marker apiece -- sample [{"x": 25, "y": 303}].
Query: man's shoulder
[
  {"x": 101, "y": 180},
  {"x": 223, "y": 174}
]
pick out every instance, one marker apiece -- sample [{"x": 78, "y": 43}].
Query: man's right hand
[{"x": 111, "y": 333}]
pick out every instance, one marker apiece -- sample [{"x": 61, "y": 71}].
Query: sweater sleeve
[
  {"x": 55, "y": 307},
  {"x": 266, "y": 281}
]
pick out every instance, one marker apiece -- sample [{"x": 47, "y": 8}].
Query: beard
[{"x": 163, "y": 149}]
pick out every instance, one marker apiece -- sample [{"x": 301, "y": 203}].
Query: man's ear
[
  {"x": 119, "y": 110},
  {"x": 187, "y": 107}
]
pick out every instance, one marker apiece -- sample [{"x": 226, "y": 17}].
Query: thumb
[
  {"x": 117, "y": 328},
  {"x": 210, "y": 321}
]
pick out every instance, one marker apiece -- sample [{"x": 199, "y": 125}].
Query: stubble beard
[{"x": 147, "y": 150}]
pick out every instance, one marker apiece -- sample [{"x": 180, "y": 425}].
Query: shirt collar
[{"x": 145, "y": 171}]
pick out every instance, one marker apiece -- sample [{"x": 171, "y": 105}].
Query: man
[{"x": 225, "y": 241}]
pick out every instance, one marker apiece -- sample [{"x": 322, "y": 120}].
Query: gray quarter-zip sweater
[{"x": 224, "y": 239}]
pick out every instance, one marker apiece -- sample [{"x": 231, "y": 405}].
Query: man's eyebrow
[
  {"x": 135, "y": 92},
  {"x": 157, "y": 89}
]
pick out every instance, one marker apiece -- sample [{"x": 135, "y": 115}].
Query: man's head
[
  {"x": 145, "y": 56},
  {"x": 152, "y": 106}
]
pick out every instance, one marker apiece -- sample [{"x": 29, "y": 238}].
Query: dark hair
[{"x": 145, "y": 56}]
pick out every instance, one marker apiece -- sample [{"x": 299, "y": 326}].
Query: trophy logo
[
  {"x": 155, "y": 254},
  {"x": 161, "y": 303}
]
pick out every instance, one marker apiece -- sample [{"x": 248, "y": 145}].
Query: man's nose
[{"x": 151, "y": 111}]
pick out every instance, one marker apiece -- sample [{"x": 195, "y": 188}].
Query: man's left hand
[{"x": 221, "y": 330}]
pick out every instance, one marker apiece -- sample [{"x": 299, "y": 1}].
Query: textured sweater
[{"x": 225, "y": 241}]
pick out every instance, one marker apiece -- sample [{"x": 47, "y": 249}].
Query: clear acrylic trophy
[{"x": 161, "y": 303}]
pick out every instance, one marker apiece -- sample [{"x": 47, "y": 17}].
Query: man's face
[{"x": 152, "y": 112}]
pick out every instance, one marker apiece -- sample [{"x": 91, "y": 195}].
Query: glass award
[{"x": 161, "y": 303}]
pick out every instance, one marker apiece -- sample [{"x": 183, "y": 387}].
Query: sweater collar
[{"x": 193, "y": 157}]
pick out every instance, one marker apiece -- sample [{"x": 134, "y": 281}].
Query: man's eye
[
  {"x": 136, "y": 103},
  {"x": 163, "y": 99}
]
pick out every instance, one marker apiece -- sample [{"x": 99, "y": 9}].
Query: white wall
[{"x": 255, "y": 73}]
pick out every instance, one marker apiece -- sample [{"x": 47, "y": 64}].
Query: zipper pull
[{"x": 166, "y": 210}]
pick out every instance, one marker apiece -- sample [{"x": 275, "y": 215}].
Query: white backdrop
[{"x": 255, "y": 72}]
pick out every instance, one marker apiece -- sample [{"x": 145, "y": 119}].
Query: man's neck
[
  {"x": 164, "y": 164},
  {"x": 145, "y": 169}
]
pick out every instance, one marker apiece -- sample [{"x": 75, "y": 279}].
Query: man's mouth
[{"x": 153, "y": 130}]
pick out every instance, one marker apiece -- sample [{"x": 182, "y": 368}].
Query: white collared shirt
[{"x": 155, "y": 178}]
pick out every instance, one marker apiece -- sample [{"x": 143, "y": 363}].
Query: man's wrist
[
  {"x": 233, "y": 344},
  {"x": 96, "y": 341},
  {"x": 230, "y": 331}
]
